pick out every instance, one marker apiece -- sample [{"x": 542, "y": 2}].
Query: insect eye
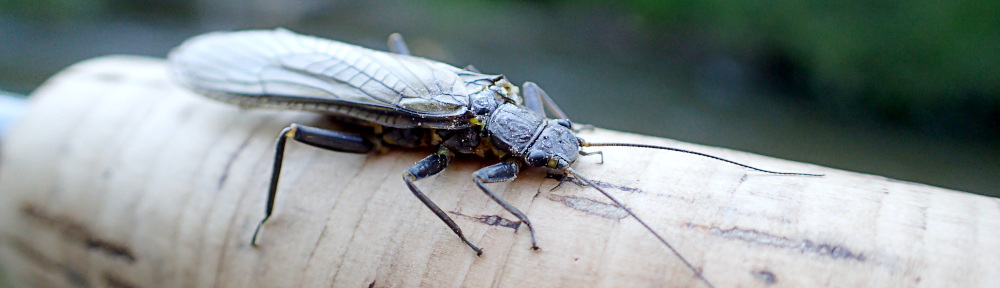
[
  {"x": 536, "y": 158},
  {"x": 565, "y": 123}
]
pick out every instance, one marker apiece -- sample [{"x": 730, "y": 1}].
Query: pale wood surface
[{"x": 118, "y": 178}]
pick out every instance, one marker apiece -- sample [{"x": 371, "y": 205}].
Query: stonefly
[{"x": 405, "y": 101}]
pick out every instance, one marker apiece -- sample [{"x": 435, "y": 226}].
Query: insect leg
[
  {"x": 500, "y": 172},
  {"x": 585, "y": 153},
  {"x": 434, "y": 164},
  {"x": 533, "y": 98},
  {"x": 397, "y": 45},
  {"x": 536, "y": 98},
  {"x": 316, "y": 137}
]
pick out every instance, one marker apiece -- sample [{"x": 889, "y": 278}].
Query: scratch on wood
[
  {"x": 603, "y": 184},
  {"x": 590, "y": 206},
  {"x": 78, "y": 232},
  {"x": 72, "y": 276},
  {"x": 492, "y": 220},
  {"x": 767, "y": 276},
  {"x": 805, "y": 246},
  {"x": 599, "y": 183},
  {"x": 76, "y": 278},
  {"x": 115, "y": 282},
  {"x": 229, "y": 162}
]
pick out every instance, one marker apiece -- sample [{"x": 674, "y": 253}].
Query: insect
[{"x": 408, "y": 101}]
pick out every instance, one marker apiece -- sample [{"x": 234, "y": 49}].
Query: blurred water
[{"x": 601, "y": 67}]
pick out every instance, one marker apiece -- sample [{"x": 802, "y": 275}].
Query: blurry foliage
[
  {"x": 50, "y": 10},
  {"x": 56, "y": 11},
  {"x": 157, "y": 9},
  {"x": 3, "y": 279},
  {"x": 925, "y": 62}
]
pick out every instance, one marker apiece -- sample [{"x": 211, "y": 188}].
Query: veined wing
[{"x": 281, "y": 69}]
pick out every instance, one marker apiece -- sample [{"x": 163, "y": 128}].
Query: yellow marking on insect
[
  {"x": 553, "y": 162},
  {"x": 291, "y": 130},
  {"x": 508, "y": 91},
  {"x": 443, "y": 151},
  {"x": 485, "y": 146},
  {"x": 435, "y": 138}
]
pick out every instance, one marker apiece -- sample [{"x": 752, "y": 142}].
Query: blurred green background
[{"x": 905, "y": 89}]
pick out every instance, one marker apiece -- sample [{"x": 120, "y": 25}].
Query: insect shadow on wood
[{"x": 407, "y": 101}]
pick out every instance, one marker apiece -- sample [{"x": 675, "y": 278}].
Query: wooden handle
[{"x": 118, "y": 178}]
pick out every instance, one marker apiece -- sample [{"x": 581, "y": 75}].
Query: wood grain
[{"x": 118, "y": 178}]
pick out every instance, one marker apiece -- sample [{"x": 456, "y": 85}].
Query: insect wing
[{"x": 281, "y": 69}]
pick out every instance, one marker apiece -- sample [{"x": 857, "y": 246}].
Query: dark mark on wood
[
  {"x": 603, "y": 184},
  {"x": 112, "y": 249},
  {"x": 766, "y": 276},
  {"x": 75, "y": 278},
  {"x": 78, "y": 232},
  {"x": 71, "y": 276},
  {"x": 372, "y": 285},
  {"x": 498, "y": 221},
  {"x": 757, "y": 237},
  {"x": 492, "y": 220},
  {"x": 590, "y": 206},
  {"x": 229, "y": 162},
  {"x": 115, "y": 282},
  {"x": 31, "y": 254},
  {"x": 599, "y": 183}
]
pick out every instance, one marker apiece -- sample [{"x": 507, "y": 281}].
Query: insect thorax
[
  {"x": 511, "y": 128},
  {"x": 516, "y": 131}
]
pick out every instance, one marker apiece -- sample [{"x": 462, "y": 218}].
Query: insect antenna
[
  {"x": 697, "y": 272},
  {"x": 586, "y": 144}
]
